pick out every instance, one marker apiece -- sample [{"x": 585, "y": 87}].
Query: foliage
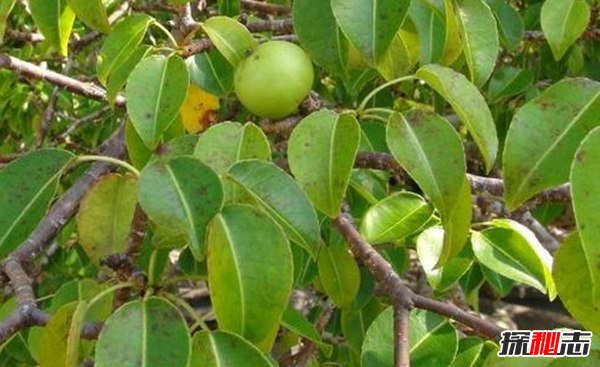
[{"x": 155, "y": 155}]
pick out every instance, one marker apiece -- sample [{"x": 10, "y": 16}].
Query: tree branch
[
  {"x": 393, "y": 286},
  {"x": 35, "y": 72},
  {"x": 265, "y": 8}
]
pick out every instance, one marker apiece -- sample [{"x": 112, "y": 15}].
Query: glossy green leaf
[
  {"x": 433, "y": 340},
  {"x": 183, "y": 194},
  {"x": 370, "y": 25},
  {"x": 59, "y": 344},
  {"x": 395, "y": 217},
  {"x": 321, "y": 155},
  {"x": 222, "y": 145},
  {"x": 481, "y": 44},
  {"x": 156, "y": 90},
  {"x": 512, "y": 250},
  {"x": 430, "y": 25},
  {"x": 563, "y": 21},
  {"x": 430, "y": 246},
  {"x": 472, "y": 352},
  {"x": 282, "y": 199},
  {"x": 544, "y": 135},
  {"x": 120, "y": 73},
  {"x": 6, "y": 7},
  {"x": 121, "y": 43},
  {"x": 508, "y": 82},
  {"x": 144, "y": 333},
  {"x": 510, "y": 24},
  {"x": 230, "y": 37},
  {"x": 220, "y": 349},
  {"x": 339, "y": 274},
  {"x": 321, "y": 40},
  {"x": 250, "y": 272},
  {"x": 105, "y": 216},
  {"x": 92, "y": 13},
  {"x": 55, "y": 20},
  {"x": 574, "y": 283},
  {"x": 229, "y": 8},
  {"x": 211, "y": 72},
  {"x": 27, "y": 186},
  {"x": 84, "y": 290},
  {"x": 468, "y": 104},
  {"x": 430, "y": 151},
  {"x": 585, "y": 188}
]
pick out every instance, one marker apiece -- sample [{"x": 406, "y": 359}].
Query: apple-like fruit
[{"x": 274, "y": 79}]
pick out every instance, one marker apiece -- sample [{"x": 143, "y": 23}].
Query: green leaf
[
  {"x": 211, "y": 72},
  {"x": 370, "y": 25},
  {"x": 339, "y": 274},
  {"x": 220, "y": 349},
  {"x": 433, "y": 340},
  {"x": 120, "y": 73},
  {"x": 84, "y": 290},
  {"x": 574, "y": 284},
  {"x": 92, "y": 13},
  {"x": 510, "y": 24},
  {"x": 480, "y": 39},
  {"x": 321, "y": 40},
  {"x": 27, "y": 186},
  {"x": 55, "y": 20},
  {"x": 563, "y": 21},
  {"x": 472, "y": 352},
  {"x": 430, "y": 246},
  {"x": 512, "y": 250},
  {"x": 59, "y": 344},
  {"x": 230, "y": 37},
  {"x": 585, "y": 189},
  {"x": 105, "y": 216},
  {"x": 144, "y": 333},
  {"x": 121, "y": 43},
  {"x": 400, "y": 57},
  {"x": 395, "y": 217},
  {"x": 468, "y": 104},
  {"x": 230, "y": 8},
  {"x": 429, "y": 23},
  {"x": 296, "y": 323},
  {"x": 6, "y": 7},
  {"x": 508, "y": 82},
  {"x": 282, "y": 199},
  {"x": 250, "y": 273},
  {"x": 356, "y": 322},
  {"x": 430, "y": 151},
  {"x": 544, "y": 135},
  {"x": 321, "y": 155},
  {"x": 156, "y": 90},
  {"x": 453, "y": 42},
  {"x": 183, "y": 194},
  {"x": 222, "y": 145},
  {"x": 501, "y": 285}
]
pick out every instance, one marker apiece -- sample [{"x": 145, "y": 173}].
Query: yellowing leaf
[{"x": 198, "y": 110}]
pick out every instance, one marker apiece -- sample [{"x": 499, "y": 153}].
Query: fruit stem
[{"x": 370, "y": 96}]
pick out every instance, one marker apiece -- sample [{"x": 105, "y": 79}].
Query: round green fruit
[{"x": 274, "y": 79}]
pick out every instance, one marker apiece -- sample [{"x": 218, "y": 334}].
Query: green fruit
[{"x": 274, "y": 79}]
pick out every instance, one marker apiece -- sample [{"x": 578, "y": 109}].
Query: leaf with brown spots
[
  {"x": 182, "y": 194},
  {"x": 148, "y": 333},
  {"x": 27, "y": 187},
  {"x": 585, "y": 188},
  {"x": 544, "y": 135}
]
